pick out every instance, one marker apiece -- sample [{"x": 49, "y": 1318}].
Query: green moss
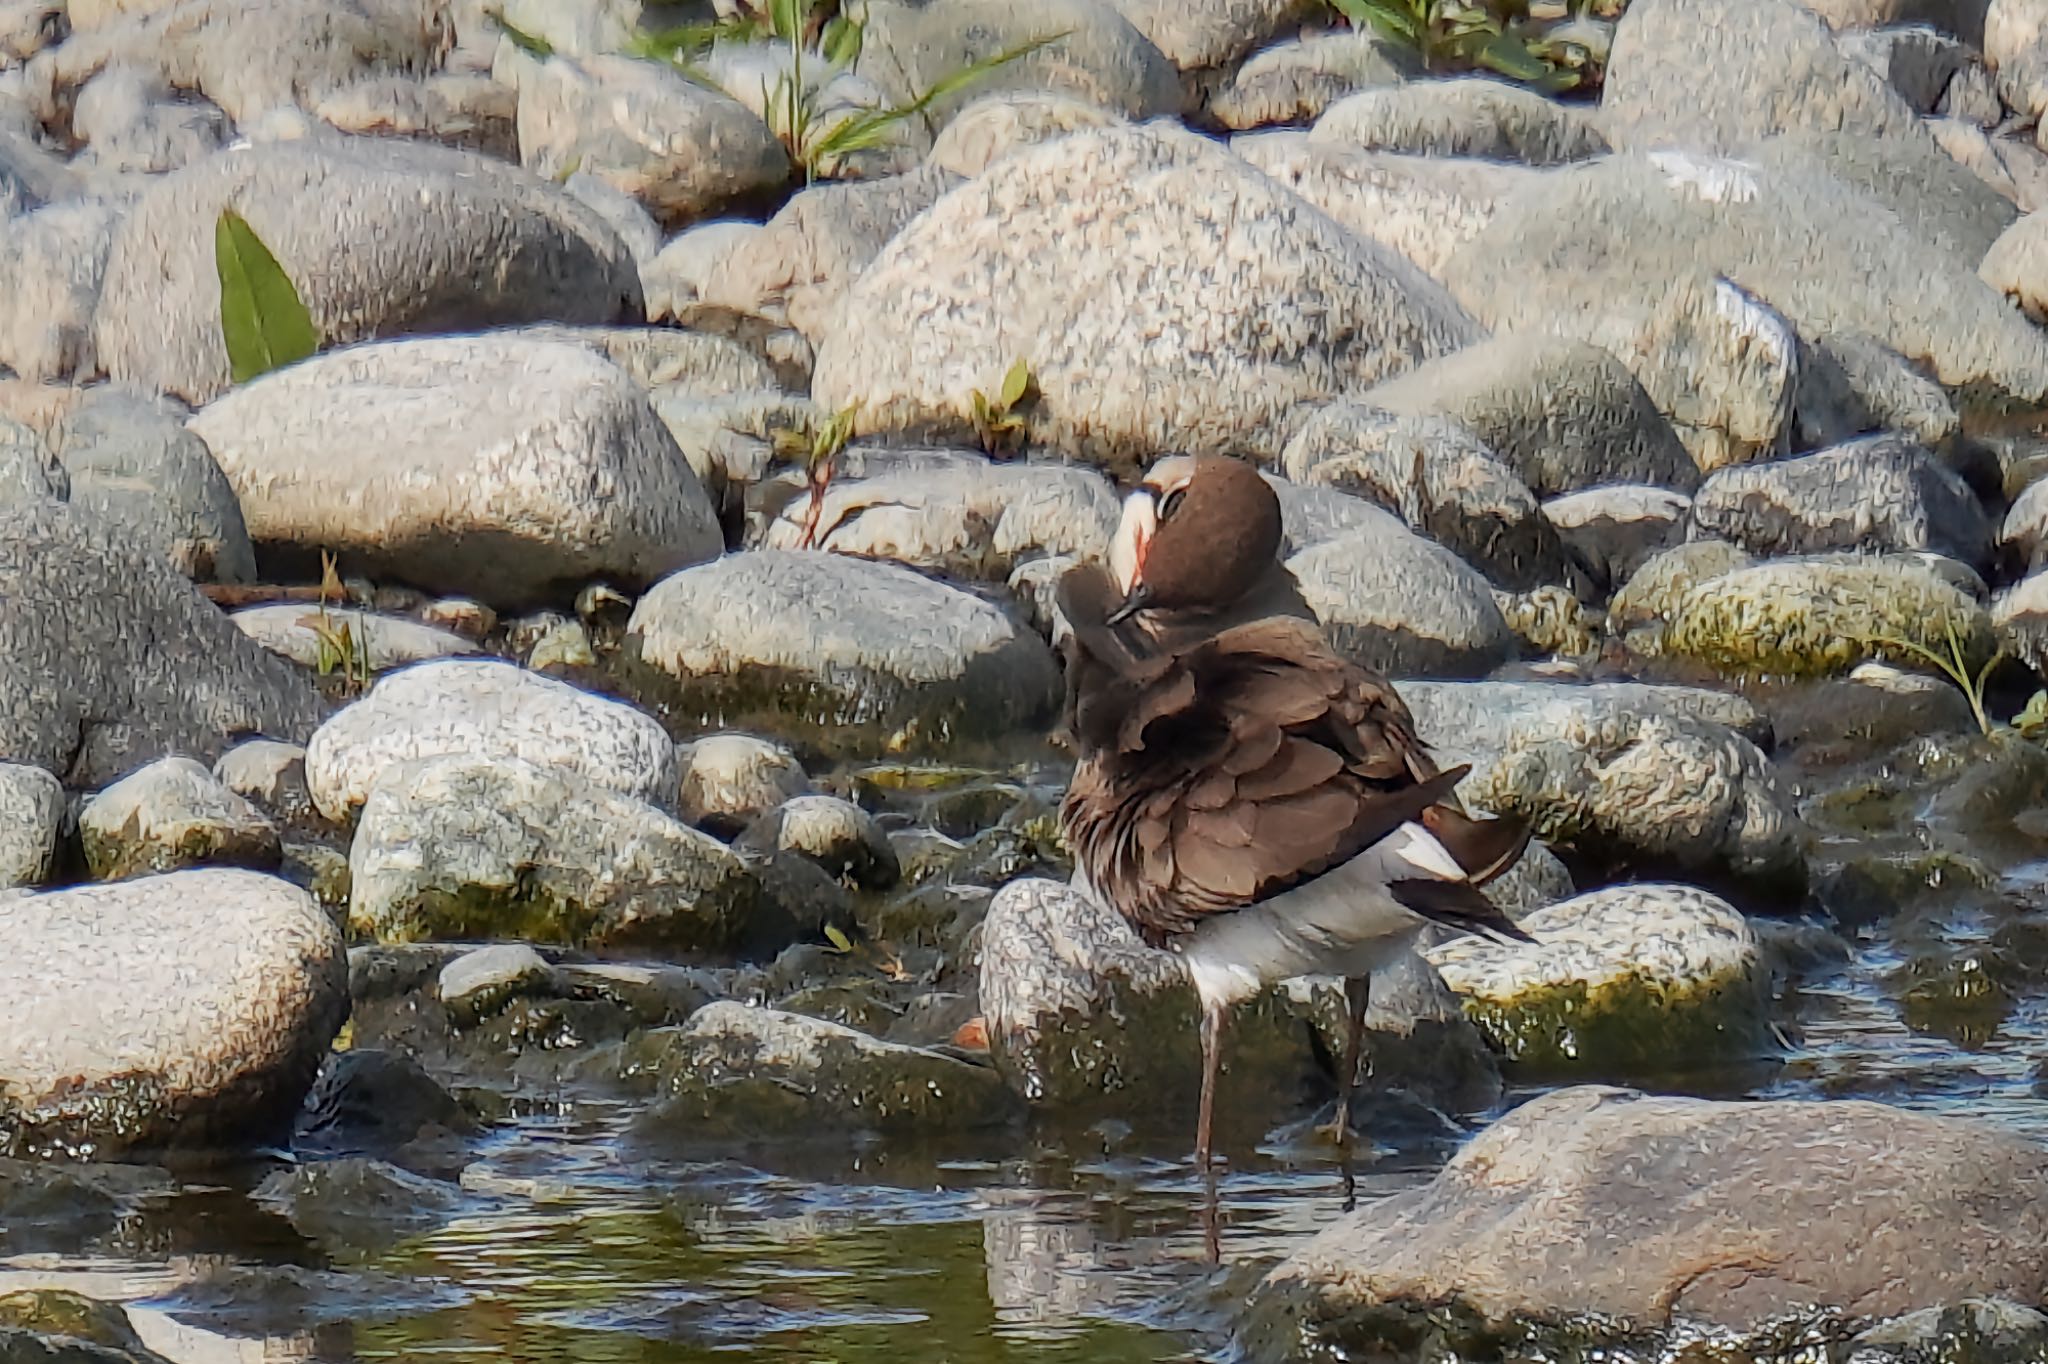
[
  {"x": 1631, "y": 1025},
  {"x": 52, "y": 1311}
]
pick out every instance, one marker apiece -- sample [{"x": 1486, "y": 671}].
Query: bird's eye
[{"x": 1170, "y": 503}]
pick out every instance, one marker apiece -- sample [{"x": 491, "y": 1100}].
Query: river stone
[
  {"x": 459, "y": 847},
  {"x": 738, "y": 1071},
  {"x": 1883, "y": 493},
  {"x": 797, "y": 268},
  {"x": 1614, "y": 530},
  {"x": 1852, "y": 385},
  {"x": 1562, "y": 414},
  {"x": 376, "y": 643},
  {"x": 1774, "y": 66},
  {"x": 269, "y": 773},
  {"x": 662, "y": 357},
  {"x": 1939, "y": 201},
  {"x": 634, "y": 224},
  {"x": 477, "y": 983},
  {"x": 1473, "y": 116},
  {"x": 730, "y": 780},
  {"x": 195, "y": 1008},
  {"x": 486, "y": 709},
  {"x": 1016, "y": 263},
  {"x": 679, "y": 148},
  {"x": 113, "y": 658},
  {"x": 131, "y": 458},
  {"x": 880, "y": 658},
  {"x": 1201, "y": 35},
  {"x": 1724, "y": 367},
  {"x": 995, "y": 125},
  {"x": 456, "y": 109},
  {"x": 1927, "y": 68},
  {"x": 51, "y": 264},
  {"x": 31, "y": 816},
  {"x": 1440, "y": 479},
  {"x": 2020, "y": 615},
  {"x": 1663, "y": 1219},
  {"x": 173, "y": 813},
  {"x": 674, "y": 279},
  {"x": 2025, "y": 529},
  {"x": 1311, "y": 513},
  {"x": 1818, "y": 617},
  {"x": 2016, "y": 169},
  {"x": 1653, "y": 592},
  {"x": 381, "y": 237},
  {"x": 130, "y": 120},
  {"x": 836, "y": 834},
  {"x": 1822, "y": 253},
  {"x": 2017, "y": 265},
  {"x": 550, "y": 467},
  {"x": 28, "y": 471},
  {"x": 1402, "y": 605},
  {"x": 1296, "y": 80}
]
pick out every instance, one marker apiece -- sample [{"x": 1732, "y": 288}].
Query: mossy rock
[{"x": 1653, "y": 593}]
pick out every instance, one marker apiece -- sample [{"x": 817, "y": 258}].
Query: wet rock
[
  {"x": 1015, "y": 263},
  {"x": 679, "y": 148},
  {"x": 484, "y": 709},
  {"x": 173, "y": 813},
  {"x": 2017, "y": 265},
  {"x": 1562, "y": 414},
  {"x": 381, "y": 238},
  {"x": 369, "y": 1100},
  {"x": 31, "y": 815},
  {"x": 1776, "y": 67},
  {"x": 1295, "y": 81},
  {"x": 356, "y": 1203},
  {"x": 51, "y": 264},
  {"x": 1636, "y": 978},
  {"x": 1660, "y": 1212},
  {"x": 1806, "y": 618},
  {"x": 1550, "y": 620},
  {"x": 1420, "y": 1046},
  {"x": 477, "y": 984},
  {"x": 552, "y": 465},
  {"x": 48, "y": 1324},
  {"x": 737, "y": 1071},
  {"x": 130, "y": 120},
  {"x": 729, "y": 780},
  {"x": 1653, "y": 592},
  {"x": 1399, "y": 604},
  {"x": 472, "y": 112},
  {"x": 838, "y": 835},
  {"x": 313, "y": 638},
  {"x": 773, "y": 633},
  {"x": 195, "y": 1008},
  {"x": 113, "y": 658},
  {"x": 1440, "y": 479},
  {"x": 1474, "y": 116},
  {"x": 995, "y": 125},
  {"x": 1724, "y": 367},
  {"x": 1615, "y": 529},
  {"x": 269, "y": 773},
  {"x": 1852, "y": 385}
]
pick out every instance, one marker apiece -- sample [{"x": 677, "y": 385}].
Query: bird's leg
[
  {"x": 1212, "y": 1053},
  {"x": 1357, "y": 994}
]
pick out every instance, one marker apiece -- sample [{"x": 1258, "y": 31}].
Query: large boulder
[
  {"x": 1400, "y": 604},
  {"x": 191, "y": 1009},
  {"x": 381, "y": 237},
  {"x": 1213, "y": 268}
]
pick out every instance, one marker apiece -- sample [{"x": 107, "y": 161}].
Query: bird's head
[{"x": 1200, "y": 532}]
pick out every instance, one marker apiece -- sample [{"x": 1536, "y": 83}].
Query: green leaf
[
  {"x": 786, "y": 18},
  {"x": 1507, "y": 56},
  {"x": 842, "y": 41},
  {"x": 967, "y": 75},
  {"x": 1016, "y": 383},
  {"x": 838, "y": 938},
  {"x": 262, "y": 321},
  {"x": 687, "y": 42},
  {"x": 524, "y": 41},
  {"x": 1383, "y": 19}
]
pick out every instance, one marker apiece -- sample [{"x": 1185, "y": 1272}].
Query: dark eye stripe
[{"x": 1170, "y": 503}]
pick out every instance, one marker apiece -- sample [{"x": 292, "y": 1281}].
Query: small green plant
[
  {"x": 263, "y": 322},
  {"x": 815, "y": 449},
  {"x": 528, "y": 43},
  {"x": 998, "y": 422},
  {"x": 1954, "y": 664},
  {"x": 341, "y": 650},
  {"x": 1563, "y": 50},
  {"x": 2032, "y": 723}
]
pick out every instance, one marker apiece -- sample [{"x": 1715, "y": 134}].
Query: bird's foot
[{"x": 1336, "y": 1132}]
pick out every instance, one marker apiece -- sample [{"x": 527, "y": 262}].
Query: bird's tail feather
[{"x": 1457, "y": 904}]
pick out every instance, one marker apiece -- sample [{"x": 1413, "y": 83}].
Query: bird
[{"x": 1243, "y": 794}]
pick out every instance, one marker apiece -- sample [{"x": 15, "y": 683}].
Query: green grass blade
[
  {"x": 956, "y": 81},
  {"x": 521, "y": 39},
  {"x": 263, "y": 322}
]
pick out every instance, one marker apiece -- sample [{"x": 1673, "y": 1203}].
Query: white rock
[
  {"x": 729, "y": 780},
  {"x": 31, "y": 813},
  {"x": 172, "y": 813}
]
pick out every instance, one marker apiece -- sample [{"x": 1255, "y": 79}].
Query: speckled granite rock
[
  {"x": 729, "y": 780},
  {"x": 1295, "y": 81},
  {"x": 2017, "y": 265},
  {"x": 1653, "y": 592},
  {"x": 1614, "y": 530},
  {"x": 993, "y": 126},
  {"x": 1402, "y": 605},
  {"x": 31, "y": 813},
  {"x": 1851, "y": 385},
  {"x": 173, "y": 813},
  {"x": 1471, "y": 116},
  {"x": 1724, "y": 366}
]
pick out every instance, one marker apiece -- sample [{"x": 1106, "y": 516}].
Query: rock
[
  {"x": 197, "y": 1007},
  {"x": 1724, "y": 367},
  {"x": 1564, "y": 415},
  {"x": 1295, "y": 81},
  {"x": 1623, "y": 980},
  {"x": 2017, "y": 265},
  {"x": 51, "y": 264},
  {"x": 1851, "y": 385},
  {"x": 993, "y": 126},
  {"x": 131, "y": 121},
  {"x": 730, "y": 780},
  {"x": 28, "y": 471},
  {"x": 578, "y": 30},
  {"x": 1440, "y": 479},
  {"x": 1402, "y": 605},
  {"x": 1198, "y": 35},
  {"x": 634, "y": 224},
  {"x": 664, "y": 357},
  {"x": 772, "y": 634},
  {"x": 374, "y": 643},
  {"x": 486, "y": 709},
  {"x": 550, "y": 465},
  {"x": 476, "y": 984},
  {"x": 1655, "y": 589},
  {"x": 173, "y": 813},
  {"x": 1939, "y": 201},
  {"x": 29, "y": 26},
  {"x": 1614, "y": 530},
  {"x": 31, "y": 815},
  {"x": 2015, "y": 49},
  {"x": 563, "y": 644},
  {"x": 1883, "y": 493},
  {"x": 131, "y": 459},
  {"x": 1468, "y": 117},
  {"x": 2025, "y": 529},
  {"x": 460, "y": 847},
  {"x": 1818, "y": 617},
  {"x": 679, "y": 148},
  {"x": 2016, "y": 170},
  {"x": 836, "y": 834},
  {"x": 114, "y": 659},
  {"x": 1822, "y": 253},
  {"x": 1015, "y": 265},
  {"x": 2019, "y": 614},
  {"x": 1624, "y": 774},
  {"x": 1919, "y": 63},
  {"x": 464, "y": 616},
  {"x": 369, "y": 1099},
  {"x": 797, "y": 268},
  {"x": 407, "y": 237},
  {"x": 269, "y": 773},
  {"x": 475, "y": 113},
  {"x": 674, "y": 279},
  {"x": 1775, "y": 68},
  {"x": 1662, "y": 1209},
  {"x": 355, "y": 1203}
]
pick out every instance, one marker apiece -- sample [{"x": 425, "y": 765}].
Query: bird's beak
[
  {"x": 1135, "y": 601},
  {"x": 1133, "y": 540}
]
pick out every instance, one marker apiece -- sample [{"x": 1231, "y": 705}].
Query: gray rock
[
  {"x": 2020, "y": 615},
  {"x": 190, "y": 1009},
  {"x": 745, "y": 637},
  {"x": 1774, "y": 66},
  {"x": 579, "y": 30},
  {"x": 476, "y": 984},
  {"x": 674, "y": 279},
  {"x": 269, "y": 773},
  {"x": 1939, "y": 201},
  {"x": 173, "y": 813},
  {"x": 993, "y": 126},
  {"x": 1884, "y": 493},
  {"x": 1724, "y": 367},
  {"x": 1660, "y": 1212},
  {"x": 2017, "y": 265},
  {"x": 2014, "y": 47},
  {"x": 664, "y": 357},
  {"x": 739, "y": 1071},
  {"x": 131, "y": 121},
  {"x": 2025, "y": 529},
  {"x": 1402, "y": 605},
  {"x": 31, "y": 816},
  {"x": 1016, "y": 263},
  {"x": 381, "y": 237},
  {"x": 1615, "y": 529},
  {"x": 29, "y": 26},
  {"x": 313, "y": 638},
  {"x": 113, "y": 658},
  {"x": 28, "y": 471},
  {"x": 1311, "y": 513},
  {"x": 836, "y": 834},
  {"x": 1440, "y": 479},
  {"x": 1198, "y": 35},
  {"x": 357, "y": 1204},
  {"x": 679, "y": 148},
  {"x": 550, "y": 466},
  {"x": 2016, "y": 169},
  {"x": 634, "y": 224},
  {"x": 1653, "y": 592},
  {"x": 1850, "y": 385},
  {"x": 51, "y": 264},
  {"x": 1919, "y": 63},
  {"x": 1474, "y": 116},
  {"x": 473, "y": 112},
  {"x": 486, "y": 709},
  {"x": 1296, "y": 80},
  {"x": 1563, "y": 414},
  {"x": 460, "y": 847},
  {"x": 131, "y": 459},
  {"x": 730, "y": 780}
]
